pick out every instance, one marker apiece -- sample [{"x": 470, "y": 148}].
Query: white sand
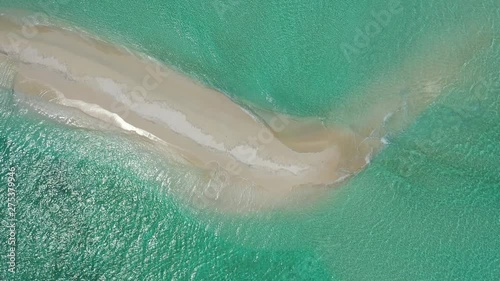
[{"x": 262, "y": 160}]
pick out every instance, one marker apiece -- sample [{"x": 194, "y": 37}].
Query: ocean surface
[{"x": 94, "y": 204}]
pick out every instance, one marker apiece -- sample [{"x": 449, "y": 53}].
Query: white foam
[
  {"x": 177, "y": 122},
  {"x": 100, "y": 113},
  {"x": 241, "y": 153},
  {"x": 342, "y": 178},
  {"x": 388, "y": 116},
  {"x": 269, "y": 98},
  {"x": 111, "y": 87},
  {"x": 250, "y": 114},
  {"x": 368, "y": 157}
]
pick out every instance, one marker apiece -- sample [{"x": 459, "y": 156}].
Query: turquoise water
[{"x": 98, "y": 205}]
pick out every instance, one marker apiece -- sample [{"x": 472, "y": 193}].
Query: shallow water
[{"x": 97, "y": 205}]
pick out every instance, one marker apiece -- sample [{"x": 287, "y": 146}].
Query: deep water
[{"x": 100, "y": 205}]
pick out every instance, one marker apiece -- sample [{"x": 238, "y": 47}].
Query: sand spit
[{"x": 250, "y": 162}]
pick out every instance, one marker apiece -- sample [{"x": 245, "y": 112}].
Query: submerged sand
[{"x": 262, "y": 156}]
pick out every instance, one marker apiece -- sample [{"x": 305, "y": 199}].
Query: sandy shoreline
[
  {"x": 273, "y": 154},
  {"x": 202, "y": 125}
]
